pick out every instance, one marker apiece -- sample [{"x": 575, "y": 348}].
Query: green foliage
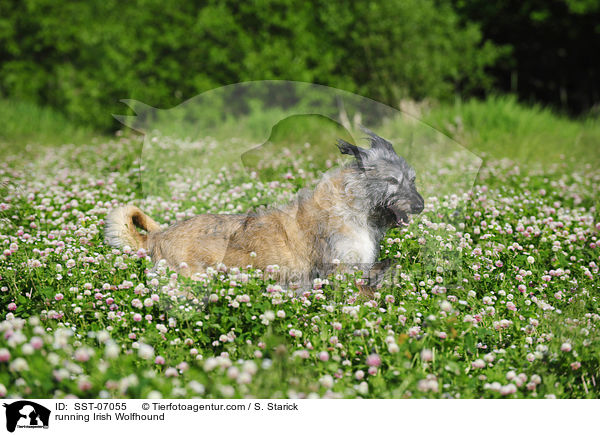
[
  {"x": 503, "y": 128},
  {"x": 583, "y": 6},
  {"x": 79, "y": 318},
  {"x": 552, "y": 46},
  {"x": 83, "y": 57},
  {"x": 26, "y": 123}
]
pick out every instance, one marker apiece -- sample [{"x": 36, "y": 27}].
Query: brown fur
[
  {"x": 344, "y": 218},
  {"x": 287, "y": 237}
]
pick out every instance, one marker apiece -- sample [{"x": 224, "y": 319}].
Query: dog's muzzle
[{"x": 417, "y": 204}]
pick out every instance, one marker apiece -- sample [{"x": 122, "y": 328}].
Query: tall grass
[
  {"x": 499, "y": 126},
  {"x": 502, "y": 127},
  {"x": 25, "y": 123}
]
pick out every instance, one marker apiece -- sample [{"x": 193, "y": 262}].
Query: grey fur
[
  {"x": 383, "y": 188},
  {"x": 387, "y": 180}
]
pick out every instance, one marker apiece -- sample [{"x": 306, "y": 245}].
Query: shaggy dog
[{"x": 339, "y": 224}]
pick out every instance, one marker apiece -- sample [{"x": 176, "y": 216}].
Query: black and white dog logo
[{"x": 26, "y": 414}]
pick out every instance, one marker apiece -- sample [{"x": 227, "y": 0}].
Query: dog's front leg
[
  {"x": 375, "y": 276},
  {"x": 379, "y": 272}
]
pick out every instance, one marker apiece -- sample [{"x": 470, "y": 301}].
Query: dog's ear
[
  {"x": 377, "y": 142},
  {"x": 348, "y": 148},
  {"x": 359, "y": 154}
]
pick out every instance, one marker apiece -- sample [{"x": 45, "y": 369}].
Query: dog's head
[{"x": 389, "y": 181}]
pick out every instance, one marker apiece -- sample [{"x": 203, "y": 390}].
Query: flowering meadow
[{"x": 506, "y": 304}]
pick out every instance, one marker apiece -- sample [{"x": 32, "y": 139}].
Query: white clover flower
[
  {"x": 111, "y": 351},
  {"x": 210, "y": 364},
  {"x": 327, "y": 381},
  {"x": 427, "y": 355},
  {"x": 16, "y": 338},
  {"x": 244, "y": 378},
  {"x": 18, "y": 365},
  {"x": 53, "y": 359},
  {"x": 83, "y": 354},
  {"x": 508, "y": 389},
  {"x": 250, "y": 367},
  {"x": 233, "y": 372},
  {"x": 478, "y": 364},
  {"x": 102, "y": 336},
  {"x": 446, "y": 306},
  {"x": 171, "y": 372},
  {"x": 145, "y": 351},
  {"x": 363, "y": 388},
  {"x": 196, "y": 387},
  {"x": 27, "y": 349}
]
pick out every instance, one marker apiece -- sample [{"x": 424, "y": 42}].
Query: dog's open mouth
[{"x": 401, "y": 216}]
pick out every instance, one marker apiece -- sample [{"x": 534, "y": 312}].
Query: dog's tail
[{"x": 121, "y": 226}]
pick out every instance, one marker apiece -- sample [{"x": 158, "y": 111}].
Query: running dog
[{"x": 338, "y": 224}]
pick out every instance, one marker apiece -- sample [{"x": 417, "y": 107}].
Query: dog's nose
[
  {"x": 417, "y": 209},
  {"x": 417, "y": 205}
]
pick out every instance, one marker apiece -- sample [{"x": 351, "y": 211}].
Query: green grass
[
  {"x": 514, "y": 314},
  {"x": 499, "y": 126},
  {"x": 86, "y": 320},
  {"x": 25, "y": 123},
  {"x": 504, "y": 128}
]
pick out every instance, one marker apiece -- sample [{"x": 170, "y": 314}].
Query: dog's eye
[
  {"x": 392, "y": 180},
  {"x": 413, "y": 179}
]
